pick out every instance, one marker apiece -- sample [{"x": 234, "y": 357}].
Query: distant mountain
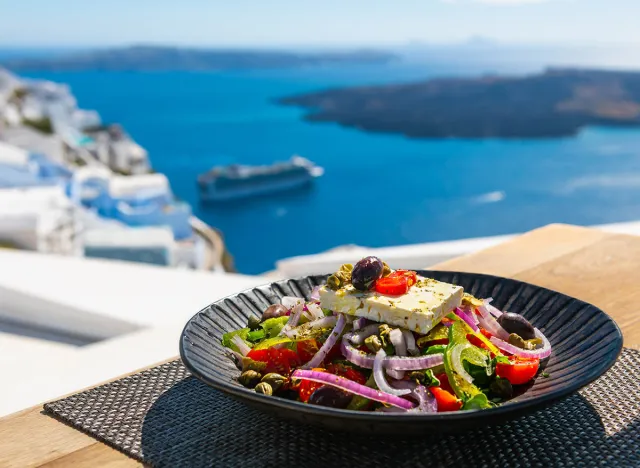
[
  {"x": 555, "y": 103},
  {"x": 141, "y": 58}
]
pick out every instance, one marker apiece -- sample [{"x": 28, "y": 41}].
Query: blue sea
[{"x": 378, "y": 189}]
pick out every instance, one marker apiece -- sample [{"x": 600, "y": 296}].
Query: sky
[{"x": 268, "y": 23}]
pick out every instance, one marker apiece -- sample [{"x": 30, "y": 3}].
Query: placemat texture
[{"x": 165, "y": 417}]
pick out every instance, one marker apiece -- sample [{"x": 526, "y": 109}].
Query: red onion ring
[
  {"x": 324, "y": 322},
  {"x": 412, "y": 349},
  {"x": 493, "y": 310},
  {"x": 489, "y": 323},
  {"x": 362, "y": 359},
  {"x": 541, "y": 353},
  {"x": 317, "y": 359},
  {"x": 465, "y": 316},
  {"x": 358, "y": 337},
  {"x": 294, "y": 318},
  {"x": 400, "y": 346},
  {"x": 243, "y": 347},
  {"x": 315, "y": 310},
  {"x": 291, "y": 301},
  {"x": 426, "y": 401},
  {"x": 359, "y": 323},
  {"x": 381, "y": 381},
  {"x": 352, "y": 387}
]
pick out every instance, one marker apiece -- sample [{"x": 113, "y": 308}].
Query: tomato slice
[
  {"x": 486, "y": 334},
  {"x": 412, "y": 276},
  {"x": 307, "y": 349},
  {"x": 393, "y": 286},
  {"x": 306, "y": 387},
  {"x": 397, "y": 283},
  {"x": 519, "y": 370},
  {"x": 277, "y": 360},
  {"x": 347, "y": 372},
  {"x": 446, "y": 400}
]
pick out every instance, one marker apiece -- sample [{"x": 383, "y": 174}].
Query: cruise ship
[{"x": 239, "y": 181}]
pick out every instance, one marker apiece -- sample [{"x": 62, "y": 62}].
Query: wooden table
[{"x": 595, "y": 266}]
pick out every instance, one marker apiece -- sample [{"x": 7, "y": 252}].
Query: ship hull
[{"x": 250, "y": 192}]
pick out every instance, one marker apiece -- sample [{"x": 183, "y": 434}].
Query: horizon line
[{"x": 471, "y": 41}]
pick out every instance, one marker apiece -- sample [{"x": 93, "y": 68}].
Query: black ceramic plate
[{"x": 585, "y": 343}]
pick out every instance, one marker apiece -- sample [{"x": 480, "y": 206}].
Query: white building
[
  {"x": 8, "y": 84},
  {"x": 145, "y": 184},
  {"x": 38, "y": 218},
  {"x": 129, "y": 156},
  {"x": 151, "y": 245},
  {"x": 13, "y": 156},
  {"x": 116, "y": 149},
  {"x": 53, "y": 98}
]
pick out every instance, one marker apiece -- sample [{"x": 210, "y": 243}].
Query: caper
[
  {"x": 386, "y": 269},
  {"x": 333, "y": 282},
  {"x": 346, "y": 267},
  {"x": 275, "y": 380},
  {"x": 264, "y": 388},
  {"x": 249, "y": 378},
  {"x": 469, "y": 300},
  {"x": 516, "y": 340},
  {"x": 417, "y": 375},
  {"x": 253, "y": 323},
  {"x": 532, "y": 344},
  {"x": 249, "y": 364},
  {"x": 373, "y": 343},
  {"x": 383, "y": 331},
  {"x": 344, "y": 277}
]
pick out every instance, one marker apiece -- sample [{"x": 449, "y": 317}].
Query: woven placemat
[{"x": 165, "y": 417}]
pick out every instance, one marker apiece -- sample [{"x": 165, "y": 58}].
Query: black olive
[
  {"x": 366, "y": 272},
  {"x": 515, "y": 323},
  {"x": 330, "y": 396},
  {"x": 273, "y": 311}
]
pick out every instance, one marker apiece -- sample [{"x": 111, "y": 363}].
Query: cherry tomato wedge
[
  {"x": 519, "y": 370},
  {"x": 306, "y": 387},
  {"x": 486, "y": 334},
  {"x": 412, "y": 276},
  {"x": 306, "y": 349},
  {"x": 347, "y": 372},
  {"x": 278, "y": 360},
  {"x": 444, "y": 382},
  {"x": 397, "y": 283},
  {"x": 446, "y": 401},
  {"x": 395, "y": 286}
]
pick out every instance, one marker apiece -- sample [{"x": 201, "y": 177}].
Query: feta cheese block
[{"x": 419, "y": 310}]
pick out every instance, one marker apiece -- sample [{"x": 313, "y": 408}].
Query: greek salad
[{"x": 376, "y": 339}]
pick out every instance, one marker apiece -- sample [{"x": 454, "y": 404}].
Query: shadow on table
[{"x": 194, "y": 425}]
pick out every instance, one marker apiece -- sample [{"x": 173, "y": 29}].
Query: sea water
[{"x": 378, "y": 189}]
